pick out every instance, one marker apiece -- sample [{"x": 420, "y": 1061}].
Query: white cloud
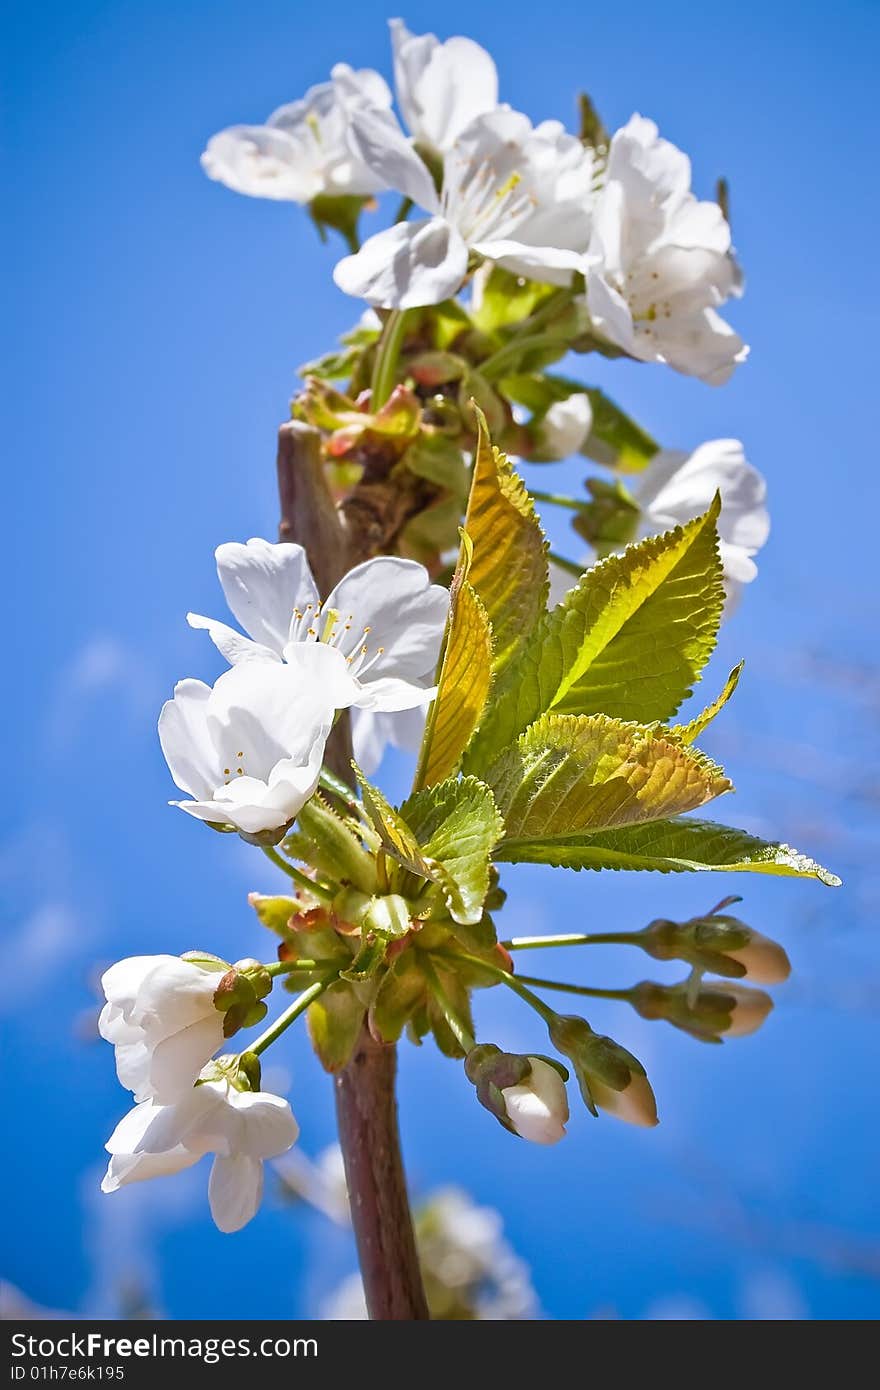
[{"x": 103, "y": 666}]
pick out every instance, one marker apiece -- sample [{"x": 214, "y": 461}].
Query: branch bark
[{"x": 366, "y": 1107}]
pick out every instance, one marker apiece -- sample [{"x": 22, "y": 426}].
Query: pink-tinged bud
[
  {"x": 764, "y": 960},
  {"x": 635, "y": 1104},
  {"x": 537, "y": 1107},
  {"x": 750, "y": 1009}
]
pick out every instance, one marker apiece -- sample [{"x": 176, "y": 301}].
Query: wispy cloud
[{"x": 103, "y": 666}]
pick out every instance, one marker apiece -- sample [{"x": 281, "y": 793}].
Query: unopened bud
[
  {"x": 537, "y": 1106},
  {"x": 610, "y": 1078},
  {"x": 525, "y": 1094},
  {"x": 390, "y": 915},
  {"x": 563, "y": 429},
  {"x": 713, "y": 1011},
  {"x": 240, "y": 993},
  {"x": 721, "y": 944}
]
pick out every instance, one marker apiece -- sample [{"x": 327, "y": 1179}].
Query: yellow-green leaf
[
  {"x": 509, "y": 567},
  {"x": 686, "y": 733},
  {"x": 458, "y": 826},
  {"x": 670, "y": 847},
  {"x": 568, "y": 774},
  {"x": 465, "y": 678},
  {"x": 397, "y": 839},
  {"x": 629, "y": 640}
]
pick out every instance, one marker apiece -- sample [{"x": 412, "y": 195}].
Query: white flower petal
[
  {"x": 319, "y": 665},
  {"x": 178, "y": 1059},
  {"x": 186, "y": 743},
  {"x": 406, "y": 266},
  {"x": 269, "y": 1127},
  {"x": 153, "y": 1128},
  {"x": 404, "y": 611},
  {"x": 235, "y": 1190},
  {"x": 372, "y": 731},
  {"x": 262, "y": 712},
  {"x": 231, "y": 645},
  {"x": 261, "y": 162},
  {"x": 263, "y": 583},
  {"x": 546, "y": 264},
  {"x": 133, "y": 1068},
  {"x": 384, "y": 148},
  {"x": 441, "y": 86},
  {"x": 126, "y": 1168},
  {"x": 610, "y": 312},
  {"x": 391, "y": 694},
  {"x": 123, "y": 981}
]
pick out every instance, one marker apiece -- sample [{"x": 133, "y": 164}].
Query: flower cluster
[{"x": 542, "y": 715}]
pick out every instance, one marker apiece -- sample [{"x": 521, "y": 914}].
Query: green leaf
[
  {"x": 593, "y": 131},
  {"x": 509, "y": 567},
  {"x": 671, "y": 846},
  {"x": 686, "y": 733},
  {"x": 274, "y": 912},
  {"x": 401, "y": 991},
  {"x": 465, "y": 678},
  {"x": 332, "y": 366},
  {"x": 330, "y": 842},
  {"x": 629, "y": 640},
  {"x": 397, "y": 838},
  {"x": 457, "y": 994},
  {"x": 573, "y": 773},
  {"x": 615, "y": 440},
  {"x": 458, "y": 826},
  {"x": 507, "y": 299},
  {"x": 439, "y": 459},
  {"x": 367, "y": 961},
  {"x": 334, "y": 1022}
]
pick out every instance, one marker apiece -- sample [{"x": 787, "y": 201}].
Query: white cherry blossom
[
  {"x": 249, "y": 750},
  {"x": 676, "y": 487},
  {"x": 242, "y": 1128},
  {"x": 372, "y": 645},
  {"x": 440, "y": 86},
  {"x": 660, "y": 261},
  {"x": 502, "y": 197},
  {"x": 161, "y": 1019},
  {"x": 303, "y": 149}
]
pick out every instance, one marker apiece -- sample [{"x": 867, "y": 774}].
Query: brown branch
[{"x": 366, "y": 1107}]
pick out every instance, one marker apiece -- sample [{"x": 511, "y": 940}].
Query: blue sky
[{"x": 156, "y": 322}]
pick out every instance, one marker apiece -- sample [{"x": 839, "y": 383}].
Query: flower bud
[
  {"x": 563, "y": 429},
  {"x": 722, "y": 944},
  {"x": 525, "y": 1094},
  {"x": 537, "y": 1107},
  {"x": 716, "y": 1010},
  {"x": 240, "y": 993},
  {"x": 610, "y": 1078}
]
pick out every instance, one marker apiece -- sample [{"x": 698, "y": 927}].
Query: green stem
[
  {"x": 530, "y": 943},
  {"x": 285, "y": 967},
  {"x": 461, "y": 1032},
  {"x": 568, "y": 565},
  {"x": 575, "y": 989},
  {"x": 526, "y": 336},
  {"x": 404, "y": 210},
  {"x": 557, "y": 499},
  {"x": 387, "y": 354},
  {"x": 498, "y": 364},
  {"x": 331, "y": 783},
  {"x": 512, "y": 982},
  {"x": 290, "y": 1015},
  {"x": 301, "y": 880}
]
